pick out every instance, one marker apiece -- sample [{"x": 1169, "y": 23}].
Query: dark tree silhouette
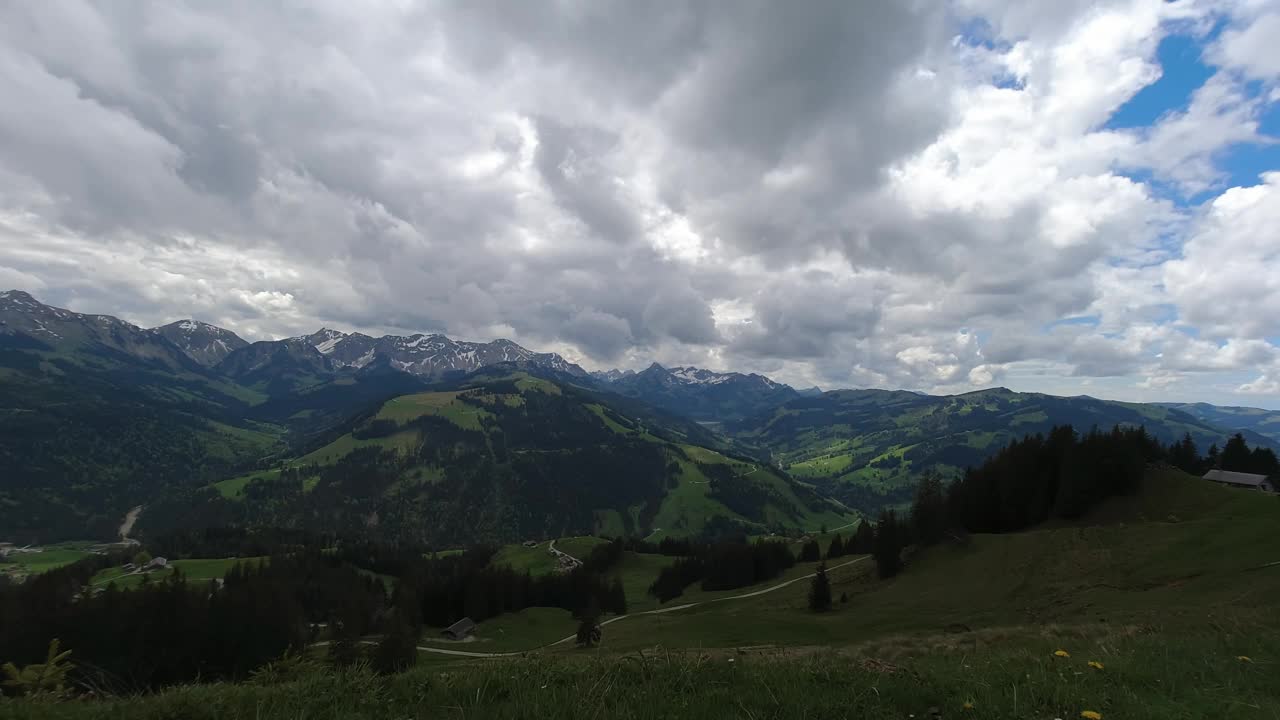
[
  {"x": 888, "y": 544},
  {"x": 836, "y": 548},
  {"x": 929, "y": 511},
  {"x": 820, "y": 590},
  {"x": 811, "y": 552},
  {"x": 864, "y": 539}
]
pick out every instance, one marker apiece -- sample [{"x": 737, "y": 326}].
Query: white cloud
[{"x": 835, "y": 195}]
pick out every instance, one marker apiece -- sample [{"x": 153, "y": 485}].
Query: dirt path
[
  {"x": 819, "y": 532},
  {"x": 610, "y": 621},
  {"x": 551, "y": 547}
]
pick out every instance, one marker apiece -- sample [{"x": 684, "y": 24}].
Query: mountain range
[
  {"x": 98, "y": 415},
  {"x": 700, "y": 394}
]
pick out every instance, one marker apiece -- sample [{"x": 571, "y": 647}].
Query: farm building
[
  {"x": 1241, "y": 480},
  {"x": 460, "y": 630}
]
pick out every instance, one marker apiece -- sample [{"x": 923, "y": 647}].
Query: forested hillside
[
  {"x": 86, "y": 435},
  {"x": 870, "y": 447},
  {"x": 507, "y": 457}
]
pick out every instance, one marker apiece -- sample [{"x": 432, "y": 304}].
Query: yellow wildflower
[
  {"x": 1061, "y": 653},
  {"x": 1095, "y": 664},
  {"x": 1244, "y": 658},
  {"x": 1091, "y": 715}
]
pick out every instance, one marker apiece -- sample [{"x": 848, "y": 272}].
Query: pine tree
[
  {"x": 888, "y": 545},
  {"x": 929, "y": 511},
  {"x": 1263, "y": 461},
  {"x": 864, "y": 539},
  {"x": 811, "y": 552},
  {"x": 820, "y": 590},
  {"x": 617, "y": 597},
  {"x": 1184, "y": 455},
  {"x": 1235, "y": 454},
  {"x": 397, "y": 650},
  {"x": 589, "y": 631},
  {"x": 836, "y": 548}
]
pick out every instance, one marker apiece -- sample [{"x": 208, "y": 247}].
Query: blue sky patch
[{"x": 1183, "y": 71}]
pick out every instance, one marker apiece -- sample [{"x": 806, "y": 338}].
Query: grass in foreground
[{"x": 1143, "y": 675}]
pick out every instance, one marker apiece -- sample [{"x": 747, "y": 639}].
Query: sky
[{"x": 1066, "y": 197}]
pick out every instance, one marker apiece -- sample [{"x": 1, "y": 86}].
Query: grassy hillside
[
  {"x": 1163, "y": 606},
  {"x": 539, "y": 560},
  {"x": 869, "y": 447},
  {"x": 507, "y": 457},
  {"x": 49, "y": 558},
  {"x": 195, "y": 570}
]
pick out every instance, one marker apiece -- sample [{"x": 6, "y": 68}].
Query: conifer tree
[
  {"x": 820, "y": 591},
  {"x": 836, "y": 548},
  {"x": 929, "y": 511},
  {"x": 1235, "y": 454},
  {"x": 397, "y": 650},
  {"x": 811, "y": 552},
  {"x": 888, "y": 544},
  {"x": 864, "y": 538}
]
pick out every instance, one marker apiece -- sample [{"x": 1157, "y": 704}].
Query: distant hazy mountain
[
  {"x": 698, "y": 393},
  {"x": 609, "y": 376},
  {"x": 206, "y": 344},
  {"x": 1262, "y": 423}
]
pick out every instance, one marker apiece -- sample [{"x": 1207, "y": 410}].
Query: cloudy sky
[{"x": 1071, "y": 197}]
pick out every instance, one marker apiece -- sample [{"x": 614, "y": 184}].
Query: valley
[
  {"x": 977, "y": 624},
  {"x": 375, "y": 493}
]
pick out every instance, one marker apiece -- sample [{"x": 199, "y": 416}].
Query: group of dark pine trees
[
  {"x": 1059, "y": 475},
  {"x": 177, "y": 630}
]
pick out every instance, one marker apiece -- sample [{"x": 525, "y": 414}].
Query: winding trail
[
  {"x": 855, "y": 522},
  {"x": 619, "y": 618}
]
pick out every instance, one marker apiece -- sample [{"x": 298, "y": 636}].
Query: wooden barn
[{"x": 1241, "y": 480}]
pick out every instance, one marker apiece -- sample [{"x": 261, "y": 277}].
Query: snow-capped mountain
[
  {"x": 325, "y": 339},
  {"x": 430, "y": 355},
  {"x": 699, "y": 393},
  {"x": 33, "y": 324},
  {"x": 206, "y": 344},
  {"x": 610, "y": 376}
]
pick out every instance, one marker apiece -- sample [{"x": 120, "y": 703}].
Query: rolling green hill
[
  {"x": 1157, "y": 605},
  {"x": 504, "y": 457},
  {"x": 869, "y": 447}
]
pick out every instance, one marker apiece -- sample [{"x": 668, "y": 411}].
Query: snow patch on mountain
[{"x": 429, "y": 355}]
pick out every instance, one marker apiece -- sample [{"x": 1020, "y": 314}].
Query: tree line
[
  {"x": 1061, "y": 474},
  {"x": 1235, "y": 456},
  {"x": 177, "y": 630},
  {"x": 723, "y": 566}
]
